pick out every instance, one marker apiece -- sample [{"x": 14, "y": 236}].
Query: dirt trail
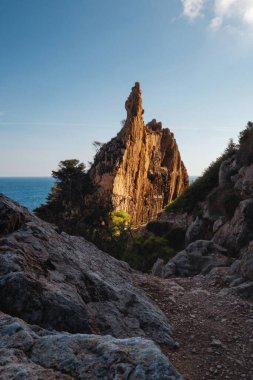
[{"x": 215, "y": 332}]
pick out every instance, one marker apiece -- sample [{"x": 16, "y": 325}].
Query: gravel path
[{"x": 215, "y": 332}]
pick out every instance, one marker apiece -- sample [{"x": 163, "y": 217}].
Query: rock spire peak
[
  {"x": 134, "y": 102},
  {"x": 139, "y": 171}
]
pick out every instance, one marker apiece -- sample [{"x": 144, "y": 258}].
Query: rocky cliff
[
  {"x": 140, "y": 170},
  {"x": 220, "y": 227}
]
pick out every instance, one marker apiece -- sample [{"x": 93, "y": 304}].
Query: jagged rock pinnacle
[
  {"x": 140, "y": 170},
  {"x": 134, "y": 102}
]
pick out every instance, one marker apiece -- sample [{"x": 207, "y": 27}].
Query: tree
[
  {"x": 231, "y": 147},
  {"x": 71, "y": 183},
  {"x": 245, "y": 154},
  {"x": 246, "y": 133},
  {"x": 97, "y": 145}
]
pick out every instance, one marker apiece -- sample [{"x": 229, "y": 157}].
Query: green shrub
[
  {"x": 165, "y": 229},
  {"x": 245, "y": 154},
  {"x": 176, "y": 238},
  {"x": 142, "y": 252},
  {"x": 159, "y": 228},
  {"x": 198, "y": 190},
  {"x": 120, "y": 221},
  {"x": 246, "y": 133}
]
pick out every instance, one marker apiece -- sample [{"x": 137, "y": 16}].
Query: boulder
[
  {"x": 157, "y": 269},
  {"x": 200, "y": 256},
  {"x": 62, "y": 282},
  {"x": 246, "y": 263},
  {"x": 194, "y": 231},
  {"x": 238, "y": 232},
  {"x": 12, "y": 216},
  {"x": 235, "y": 267},
  {"x": 244, "y": 289},
  {"x": 244, "y": 183},
  {"x": 30, "y": 352},
  {"x": 218, "y": 223}
]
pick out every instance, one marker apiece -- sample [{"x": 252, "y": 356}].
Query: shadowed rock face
[
  {"x": 12, "y": 216},
  {"x": 140, "y": 170},
  {"x": 65, "y": 283},
  {"x": 200, "y": 256}
]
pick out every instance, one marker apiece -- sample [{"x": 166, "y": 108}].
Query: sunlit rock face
[{"x": 140, "y": 170}]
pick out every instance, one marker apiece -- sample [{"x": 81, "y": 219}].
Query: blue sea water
[{"x": 30, "y": 192}]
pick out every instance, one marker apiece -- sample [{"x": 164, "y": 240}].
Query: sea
[{"x": 31, "y": 192}]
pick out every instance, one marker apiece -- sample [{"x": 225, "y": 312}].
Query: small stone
[{"x": 216, "y": 343}]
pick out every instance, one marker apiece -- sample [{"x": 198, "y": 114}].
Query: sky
[{"x": 67, "y": 67}]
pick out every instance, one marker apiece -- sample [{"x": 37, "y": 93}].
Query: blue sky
[{"x": 67, "y": 67}]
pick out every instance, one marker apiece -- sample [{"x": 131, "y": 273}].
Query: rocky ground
[
  {"x": 214, "y": 331},
  {"x": 70, "y": 311}
]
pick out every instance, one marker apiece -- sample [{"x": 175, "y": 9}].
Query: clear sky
[{"x": 67, "y": 67}]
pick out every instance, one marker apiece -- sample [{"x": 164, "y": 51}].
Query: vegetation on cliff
[{"x": 197, "y": 192}]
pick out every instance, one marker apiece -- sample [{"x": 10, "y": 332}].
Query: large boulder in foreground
[
  {"x": 30, "y": 352},
  {"x": 65, "y": 283}
]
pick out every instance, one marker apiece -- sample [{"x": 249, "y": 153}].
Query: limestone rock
[
  {"x": 29, "y": 352},
  {"x": 218, "y": 223},
  {"x": 12, "y": 216},
  {"x": 65, "y": 283},
  {"x": 194, "y": 230},
  {"x": 157, "y": 269},
  {"x": 140, "y": 170},
  {"x": 235, "y": 267},
  {"x": 224, "y": 173},
  {"x": 200, "y": 256},
  {"x": 243, "y": 289},
  {"x": 238, "y": 232},
  {"x": 244, "y": 182},
  {"x": 246, "y": 263}
]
